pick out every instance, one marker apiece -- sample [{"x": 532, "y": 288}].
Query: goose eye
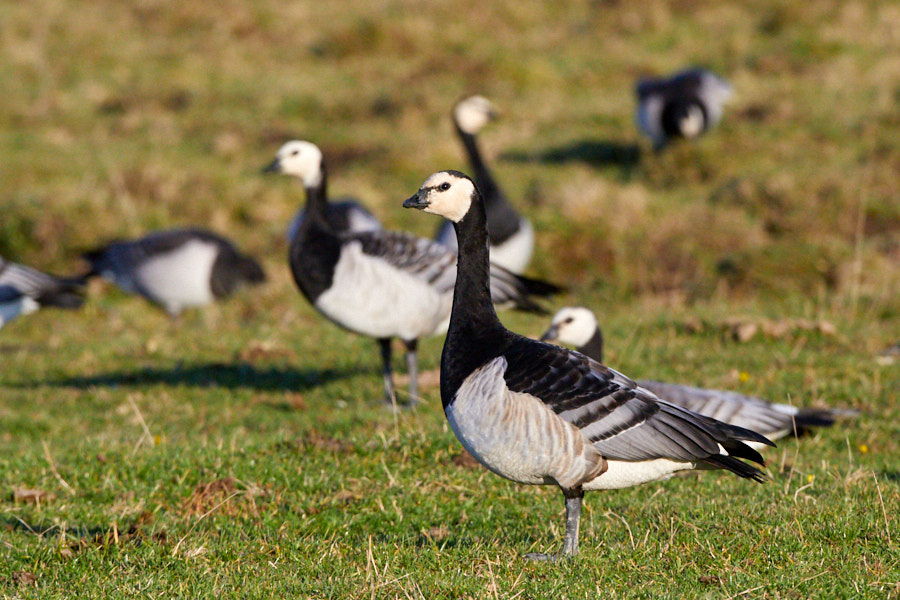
[
  {"x": 295, "y": 153},
  {"x": 444, "y": 186},
  {"x": 568, "y": 320}
]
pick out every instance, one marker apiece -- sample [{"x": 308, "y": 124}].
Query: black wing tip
[
  {"x": 539, "y": 287},
  {"x": 807, "y": 418},
  {"x": 747, "y": 435},
  {"x": 739, "y": 468},
  {"x": 61, "y": 299},
  {"x": 742, "y": 450}
]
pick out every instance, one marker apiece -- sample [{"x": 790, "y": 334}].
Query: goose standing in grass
[
  {"x": 537, "y": 413},
  {"x": 684, "y": 105},
  {"x": 24, "y": 290},
  {"x": 577, "y": 326},
  {"x": 511, "y": 235},
  {"x": 344, "y": 215},
  {"x": 381, "y": 284},
  {"x": 176, "y": 268}
]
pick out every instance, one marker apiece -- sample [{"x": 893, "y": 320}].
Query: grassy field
[{"x": 242, "y": 452}]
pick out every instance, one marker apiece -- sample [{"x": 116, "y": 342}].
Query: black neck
[
  {"x": 475, "y": 332},
  {"x": 503, "y": 220},
  {"x": 316, "y": 248},
  {"x": 483, "y": 179},
  {"x": 594, "y": 346},
  {"x": 317, "y": 201}
]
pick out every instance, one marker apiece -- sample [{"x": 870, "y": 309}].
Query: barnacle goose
[
  {"x": 577, "y": 326},
  {"x": 383, "y": 284},
  {"x": 176, "y": 268},
  {"x": 684, "y": 105},
  {"x": 344, "y": 215},
  {"x": 24, "y": 290},
  {"x": 511, "y": 235},
  {"x": 537, "y": 413}
]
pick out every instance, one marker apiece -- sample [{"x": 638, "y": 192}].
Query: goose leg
[
  {"x": 573, "y": 515},
  {"x": 389, "y": 396},
  {"x": 412, "y": 368}
]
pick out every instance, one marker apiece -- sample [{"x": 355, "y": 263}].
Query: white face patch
[
  {"x": 447, "y": 195},
  {"x": 692, "y": 123},
  {"x": 301, "y": 159},
  {"x": 473, "y": 113},
  {"x": 575, "y": 325}
]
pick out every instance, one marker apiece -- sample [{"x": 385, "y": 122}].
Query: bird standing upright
[
  {"x": 381, "y": 284},
  {"x": 511, "y": 235},
  {"x": 536, "y": 413}
]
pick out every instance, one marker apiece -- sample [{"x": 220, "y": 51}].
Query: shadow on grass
[
  {"x": 211, "y": 375},
  {"x": 592, "y": 152},
  {"x": 87, "y": 533},
  {"x": 892, "y": 476}
]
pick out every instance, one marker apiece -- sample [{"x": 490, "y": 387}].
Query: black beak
[
  {"x": 274, "y": 167},
  {"x": 551, "y": 334},
  {"x": 415, "y": 202}
]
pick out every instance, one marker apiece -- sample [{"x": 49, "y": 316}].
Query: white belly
[
  {"x": 179, "y": 278},
  {"x": 371, "y": 297},
  {"x": 623, "y": 474}
]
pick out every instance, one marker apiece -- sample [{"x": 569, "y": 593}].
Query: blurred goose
[
  {"x": 684, "y": 105},
  {"x": 537, "y": 413},
  {"x": 345, "y": 215},
  {"x": 382, "y": 284},
  {"x": 577, "y": 326},
  {"x": 24, "y": 290},
  {"x": 177, "y": 268},
  {"x": 511, "y": 235}
]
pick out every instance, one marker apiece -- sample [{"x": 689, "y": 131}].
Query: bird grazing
[
  {"x": 343, "y": 216},
  {"x": 177, "y": 268},
  {"x": 511, "y": 235},
  {"x": 24, "y": 290},
  {"x": 577, "y": 326},
  {"x": 684, "y": 105},
  {"x": 536, "y": 413},
  {"x": 382, "y": 284}
]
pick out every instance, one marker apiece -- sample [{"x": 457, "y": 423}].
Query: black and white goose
[
  {"x": 24, "y": 290},
  {"x": 343, "y": 215},
  {"x": 511, "y": 235},
  {"x": 176, "y": 268},
  {"x": 684, "y": 105},
  {"x": 537, "y": 413},
  {"x": 577, "y": 326},
  {"x": 384, "y": 284}
]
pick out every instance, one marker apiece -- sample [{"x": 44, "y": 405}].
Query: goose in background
[
  {"x": 176, "y": 268},
  {"x": 24, "y": 290},
  {"x": 511, "y": 235},
  {"x": 381, "y": 284},
  {"x": 685, "y": 105},
  {"x": 536, "y": 413},
  {"x": 344, "y": 215},
  {"x": 577, "y": 326}
]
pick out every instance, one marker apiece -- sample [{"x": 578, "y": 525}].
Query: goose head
[
  {"x": 448, "y": 194},
  {"x": 691, "y": 122},
  {"x": 572, "y": 325},
  {"x": 473, "y": 113},
  {"x": 300, "y": 159}
]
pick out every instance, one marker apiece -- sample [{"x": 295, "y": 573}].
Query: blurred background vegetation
[{"x": 121, "y": 117}]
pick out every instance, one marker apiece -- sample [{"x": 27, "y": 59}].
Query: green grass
[{"x": 242, "y": 452}]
